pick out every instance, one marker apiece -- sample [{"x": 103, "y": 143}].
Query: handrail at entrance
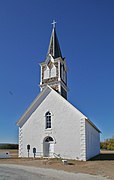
[{"x": 57, "y": 155}]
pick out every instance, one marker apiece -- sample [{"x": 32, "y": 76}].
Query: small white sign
[{"x": 4, "y": 155}]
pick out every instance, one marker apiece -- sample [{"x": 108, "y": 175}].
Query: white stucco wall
[
  {"x": 65, "y": 128},
  {"x": 74, "y": 137},
  {"x": 92, "y": 141}
]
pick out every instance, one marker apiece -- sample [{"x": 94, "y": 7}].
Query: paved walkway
[{"x": 19, "y": 172}]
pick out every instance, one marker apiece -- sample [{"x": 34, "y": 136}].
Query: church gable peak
[{"x": 54, "y": 47}]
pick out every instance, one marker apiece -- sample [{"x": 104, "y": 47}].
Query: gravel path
[{"x": 19, "y": 172}]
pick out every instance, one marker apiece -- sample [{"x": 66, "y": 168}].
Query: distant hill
[
  {"x": 1, "y": 144},
  {"x": 8, "y": 146}
]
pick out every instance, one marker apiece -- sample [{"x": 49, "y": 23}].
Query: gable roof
[
  {"x": 92, "y": 125},
  {"x": 39, "y": 99}
]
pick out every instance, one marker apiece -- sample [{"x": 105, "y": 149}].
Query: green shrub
[{"x": 108, "y": 144}]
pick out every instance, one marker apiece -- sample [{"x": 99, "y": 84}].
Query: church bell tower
[{"x": 54, "y": 69}]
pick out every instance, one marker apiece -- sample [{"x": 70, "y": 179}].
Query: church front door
[{"x": 48, "y": 147}]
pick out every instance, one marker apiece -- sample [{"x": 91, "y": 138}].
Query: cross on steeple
[{"x": 53, "y": 23}]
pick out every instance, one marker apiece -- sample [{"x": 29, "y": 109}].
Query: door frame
[{"x": 48, "y": 140}]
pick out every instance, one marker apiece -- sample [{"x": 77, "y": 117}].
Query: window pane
[{"x": 48, "y": 120}]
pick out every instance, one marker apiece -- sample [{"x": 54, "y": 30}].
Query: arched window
[
  {"x": 48, "y": 120},
  {"x": 48, "y": 139}
]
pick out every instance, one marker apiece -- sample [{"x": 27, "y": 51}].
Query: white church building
[{"x": 52, "y": 125}]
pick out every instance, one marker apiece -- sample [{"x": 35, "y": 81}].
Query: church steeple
[
  {"x": 54, "y": 69},
  {"x": 54, "y": 47}
]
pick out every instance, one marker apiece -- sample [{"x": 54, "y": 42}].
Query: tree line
[
  {"x": 8, "y": 146},
  {"x": 108, "y": 144}
]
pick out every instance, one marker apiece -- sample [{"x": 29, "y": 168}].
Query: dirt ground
[{"x": 101, "y": 165}]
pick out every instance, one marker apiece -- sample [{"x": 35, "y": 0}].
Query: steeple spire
[
  {"x": 54, "y": 69},
  {"x": 54, "y": 48}
]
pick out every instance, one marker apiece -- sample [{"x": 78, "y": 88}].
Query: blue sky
[{"x": 85, "y": 31}]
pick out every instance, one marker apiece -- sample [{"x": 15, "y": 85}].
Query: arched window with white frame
[{"x": 48, "y": 120}]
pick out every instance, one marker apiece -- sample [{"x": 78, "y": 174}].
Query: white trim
[
  {"x": 82, "y": 140},
  {"x": 59, "y": 78},
  {"x": 54, "y": 140},
  {"x": 41, "y": 75}
]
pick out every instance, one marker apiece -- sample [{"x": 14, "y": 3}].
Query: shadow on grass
[{"x": 103, "y": 156}]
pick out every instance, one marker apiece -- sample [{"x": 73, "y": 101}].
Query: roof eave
[
  {"x": 93, "y": 125},
  {"x": 29, "y": 108}
]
